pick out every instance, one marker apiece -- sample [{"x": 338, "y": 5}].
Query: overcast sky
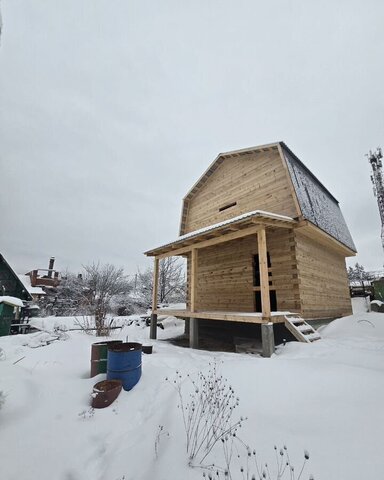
[{"x": 111, "y": 110}]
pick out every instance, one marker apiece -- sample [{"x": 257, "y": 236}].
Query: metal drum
[{"x": 124, "y": 363}]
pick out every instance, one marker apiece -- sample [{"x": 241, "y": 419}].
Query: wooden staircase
[{"x": 300, "y": 329}]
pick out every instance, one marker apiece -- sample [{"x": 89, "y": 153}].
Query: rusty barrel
[
  {"x": 99, "y": 356},
  {"x": 124, "y": 363}
]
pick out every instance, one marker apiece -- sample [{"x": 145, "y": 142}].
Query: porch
[
  {"x": 229, "y": 265},
  {"x": 246, "y": 317}
]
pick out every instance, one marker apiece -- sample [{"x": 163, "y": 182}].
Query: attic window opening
[{"x": 227, "y": 206}]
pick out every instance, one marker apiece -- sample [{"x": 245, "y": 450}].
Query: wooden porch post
[
  {"x": 264, "y": 280},
  {"x": 193, "y": 322},
  {"x": 153, "y": 327},
  {"x": 194, "y": 253}
]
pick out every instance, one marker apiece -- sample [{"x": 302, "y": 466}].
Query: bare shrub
[
  {"x": 244, "y": 464},
  {"x": 207, "y": 411},
  {"x": 207, "y": 414}
]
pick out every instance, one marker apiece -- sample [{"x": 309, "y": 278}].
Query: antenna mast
[{"x": 378, "y": 187}]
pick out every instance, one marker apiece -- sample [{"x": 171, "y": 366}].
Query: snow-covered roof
[
  {"x": 26, "y": 281},
  {"x": 317, "y": 204},
  {"x": 239, "y": 218},
  {"x": 15, "y": 302},
  {"x": 359, "y": 283}
]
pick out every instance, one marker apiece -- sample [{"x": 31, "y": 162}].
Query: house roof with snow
[
  {"x": 240, "y": 221},
  {"x": 26, "y": 281},
  {"x": 313, "y": 200},
  {"x": 13, "y": 301},
  {"x": 10, "y": 283}
]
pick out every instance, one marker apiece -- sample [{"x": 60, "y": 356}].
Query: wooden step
[{"x": 301, "y": 330}]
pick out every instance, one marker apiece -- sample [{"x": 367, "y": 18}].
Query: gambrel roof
[{"x": 313, "y": 200}]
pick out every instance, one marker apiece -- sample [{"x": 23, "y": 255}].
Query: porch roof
[{"x": 235, "y": 224}]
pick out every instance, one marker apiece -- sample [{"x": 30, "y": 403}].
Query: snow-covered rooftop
[
  {"x": 26, "y": 281},
  {"x": 244, "y": 216},
  {"x": 16, "y": 302}
]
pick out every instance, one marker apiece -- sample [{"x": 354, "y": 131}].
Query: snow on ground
[
  {"x": 325, "y": 397},
  {"x": 360, "y": 304}
]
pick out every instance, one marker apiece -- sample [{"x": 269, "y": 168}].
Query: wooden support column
[
  {"x": 193, "y": 322},
  {"x": 153, "y": 327},
  {"x": 264, "y": 280},
  {"x": 193, "y": 278}
]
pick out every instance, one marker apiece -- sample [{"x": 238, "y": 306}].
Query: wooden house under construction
[{"x": 263, "y": 239}]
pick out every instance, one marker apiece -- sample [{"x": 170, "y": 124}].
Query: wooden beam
[
  {"x": 274, "y": 223},
  {"x": 213, "y": 241},
  {"x": 264, "y": 279},
  {"x": 155, "y": 288},
  {"x": 194, "y": 257},
  {"x": 227, "y": 316}
]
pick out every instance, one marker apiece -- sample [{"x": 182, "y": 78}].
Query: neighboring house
[
  {"x": 262, "y": 237},
  {"x": 361, "y": 288},
  {"x": 10, "y": 308},
  {"x": 37, "y": 293},
  {"x": 12, "y": 295},
  {"x": 45, "y": 277},
  {"x": 10, "y": 283}
]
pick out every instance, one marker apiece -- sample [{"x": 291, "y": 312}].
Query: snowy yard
[{"x": 326, "y": 398}]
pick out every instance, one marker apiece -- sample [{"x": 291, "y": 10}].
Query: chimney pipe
[{"x": 50, "y": 268}]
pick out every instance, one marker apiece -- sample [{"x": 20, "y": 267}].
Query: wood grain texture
[
  {"x": 254, "y": 181},
  {"x": 323, "y": 281},
  {"x": 225, "y": 274}
]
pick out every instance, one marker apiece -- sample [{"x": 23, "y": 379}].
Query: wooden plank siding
[
  {"x": 323, "y": 281},
  {"x": 225, "y": 274},
  {"x": 256, "y": 180}
]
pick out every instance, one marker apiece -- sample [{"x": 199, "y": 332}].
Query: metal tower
[{"x": 378, "y": 187}]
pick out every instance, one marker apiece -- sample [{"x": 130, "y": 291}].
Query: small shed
[
  {"x": 10, "y": 308},
  {"x": 263, "y": 238}
]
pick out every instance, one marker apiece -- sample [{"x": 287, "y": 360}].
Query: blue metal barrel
[{"x": 124, "y": 363}]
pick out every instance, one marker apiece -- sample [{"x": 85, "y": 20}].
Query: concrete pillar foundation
[
  {"x": 194, "y": 333},
  {"x": 153, "y": 327},
  {"x": 186, "y": 326},
  {"x": 267, "y": 339}
]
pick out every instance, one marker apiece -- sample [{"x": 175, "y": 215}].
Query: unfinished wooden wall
[
  {"x": 323, "y": 281},
  {"x": 256, "y": 181},
  {"x": 225, "y": 273}
]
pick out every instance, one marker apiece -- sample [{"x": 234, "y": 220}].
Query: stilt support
[
  {"x": 186, "y": 326},
  {"x": 194, "y": 332},
  {"x": 267, "y": 339},
  {"x": 153, "y": 327}
]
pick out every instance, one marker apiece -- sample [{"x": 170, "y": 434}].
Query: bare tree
[
  {"x": 171, "y": 279},
  {"x": 102, "y": 283},
  {"x": 172, "y": 283}
]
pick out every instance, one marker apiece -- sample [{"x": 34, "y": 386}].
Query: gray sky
[{"x": 110, "y": 111}]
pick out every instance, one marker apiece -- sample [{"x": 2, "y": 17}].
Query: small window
[{"x": 227, "y": 206}]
